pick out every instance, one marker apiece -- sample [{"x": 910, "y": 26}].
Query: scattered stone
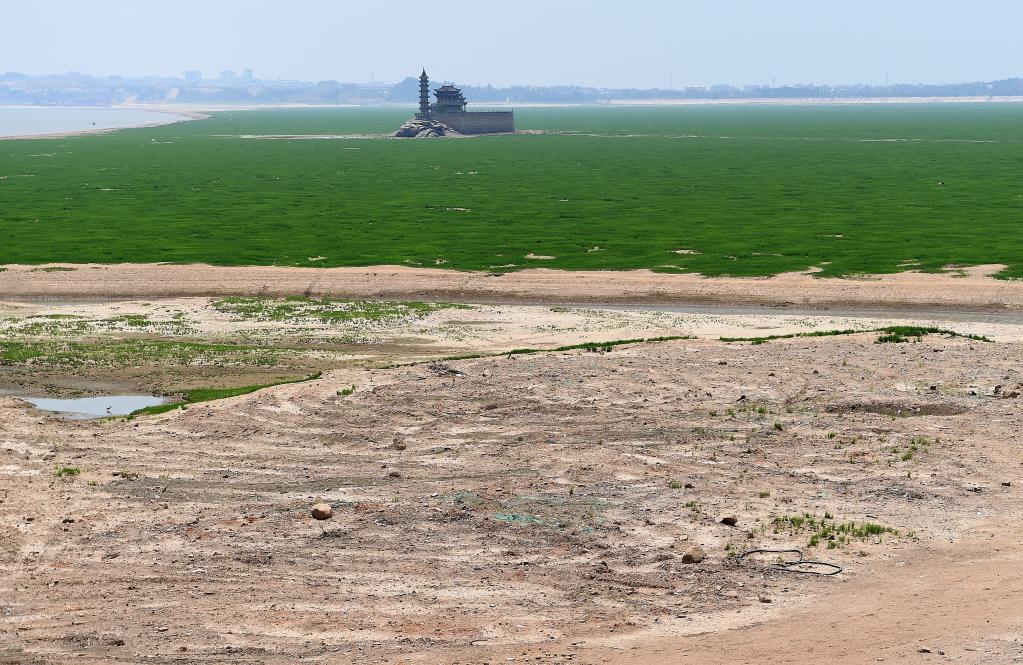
[
  {"x": 1007, "y": 484},
  {"x": 322, "y": 511},
  {"x": 730, "y": 520},
  {"x": 394, "y": 474},
  {"x": 923, "y": 650},
  {"x": 764, "y": 599},
  {"x": 694, "y": 555}
]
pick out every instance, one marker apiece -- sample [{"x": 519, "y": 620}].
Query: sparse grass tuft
[{"x": 825, "y": 529}]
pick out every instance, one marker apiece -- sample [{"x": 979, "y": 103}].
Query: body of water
[
  {"x": 95, "y": 407},
  {"x": 20, "y": 121}
]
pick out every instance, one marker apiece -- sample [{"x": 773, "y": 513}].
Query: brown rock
[
  {"x": 322, "y": 511},
  {"x": 730, "y": 520},
  {"x": 694, "y": 555}
]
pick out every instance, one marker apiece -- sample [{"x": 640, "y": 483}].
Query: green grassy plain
[{"x": 752, "y": 190}]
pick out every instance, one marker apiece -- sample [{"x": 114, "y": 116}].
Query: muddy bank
[
  {"x": 973, "y": 288},
  {"x": 71, "y": 348}
]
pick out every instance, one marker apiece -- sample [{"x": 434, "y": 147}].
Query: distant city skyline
[{"x": 601, "y": 43}]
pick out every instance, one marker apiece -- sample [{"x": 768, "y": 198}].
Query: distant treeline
[{"x": 76, "y": 89}]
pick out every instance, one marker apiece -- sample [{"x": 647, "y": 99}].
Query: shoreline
[{"x": 975, "y": 290}]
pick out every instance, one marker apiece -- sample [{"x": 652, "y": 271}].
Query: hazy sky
[{"x": 611, "y": 43}]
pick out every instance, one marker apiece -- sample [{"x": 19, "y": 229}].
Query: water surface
[
  {"x": 21, "y": 121},
  {"x": 84, "y": 408}
]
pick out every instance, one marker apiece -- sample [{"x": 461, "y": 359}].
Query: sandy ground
[
  {"x": 974, "y": 288},
  {"x": 533, "y": 509}
]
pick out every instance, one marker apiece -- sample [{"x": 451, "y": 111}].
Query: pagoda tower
[{"x": 424, "y": 95}]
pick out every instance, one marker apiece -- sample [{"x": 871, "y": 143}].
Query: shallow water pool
[{"x": 95, "y": 407}]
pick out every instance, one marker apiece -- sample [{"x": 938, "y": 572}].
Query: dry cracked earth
[{"x": 535, "y": 508}]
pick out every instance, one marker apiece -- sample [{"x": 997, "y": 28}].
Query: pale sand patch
[{"x": 972, "y": 288}]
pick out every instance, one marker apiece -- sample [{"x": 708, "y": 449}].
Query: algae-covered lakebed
[{"x": 719, "y": 190}]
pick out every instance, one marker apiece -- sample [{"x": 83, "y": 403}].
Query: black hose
[{"x": 793, "y": 566}]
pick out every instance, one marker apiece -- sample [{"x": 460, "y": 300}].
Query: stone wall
[{"x": 478, "y": 122}]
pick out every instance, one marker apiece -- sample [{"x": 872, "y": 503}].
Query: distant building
[
  {"x": 450, "y": 110},
  {"x": 247, "y": 75},
  {"x": 227, "y": 75},
  {"x": 193, "y": 76}
]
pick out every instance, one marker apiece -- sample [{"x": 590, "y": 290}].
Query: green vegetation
[
  {"x": 593, "y": 347},
  {"x": 120, "y": 353},
  {"x": 826, "y": 529},
  {"x": 198, "y": 395},
  {"x": 67, "y": 472},
  {"x": 717, "y": 190},
  {"x": 598, "y": 347},
  {"x": 324, "y": 310},
  {"x": 346, "y": 392},
  {"x": 899, "y": 334},
  {"x": 889, "y": 334}
]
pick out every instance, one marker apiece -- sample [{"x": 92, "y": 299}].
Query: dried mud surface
[{"x": 533, "y": 509}]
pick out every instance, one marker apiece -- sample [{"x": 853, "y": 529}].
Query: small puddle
[{"x": 85, "y": 408}]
